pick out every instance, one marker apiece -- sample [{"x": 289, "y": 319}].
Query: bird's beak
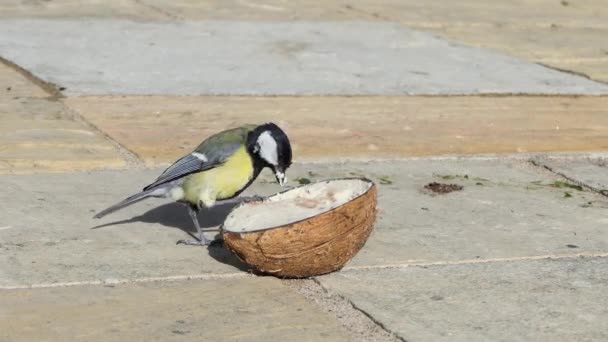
[{"x": 281, "y": 179}]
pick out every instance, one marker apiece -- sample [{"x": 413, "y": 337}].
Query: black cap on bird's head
[{"x": 270, "y": 145}]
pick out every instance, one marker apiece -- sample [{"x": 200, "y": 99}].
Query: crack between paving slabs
[
  {"x": 54, "y": 91},
  {"x": 540, "y": 164},
  {"x": 358, "y": 309},
  {"x": 131, "y": 157},
  {"x": 378, "y": 16},
  {"x": 571, "y": 72},
  {"x": 48, "y": 87}
]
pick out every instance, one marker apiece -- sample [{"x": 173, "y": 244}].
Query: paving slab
[
  {"x": 160, "y": 129},
  {"x": 506, "y": 210},
  {"x": 57, "y": 9},
  {"x": 563, "y": 34},
  {"x": 47, "y": 239},
  {"x": 592, "y": 172},
  {"x": 38, "y": 134},
  {"x": 117, "y": 57},
  {"x": 544, "y": 300},
  {"x": 245, "y": 309}
]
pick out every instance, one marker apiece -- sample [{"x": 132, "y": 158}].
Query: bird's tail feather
[{"x": 132, "y": 199}]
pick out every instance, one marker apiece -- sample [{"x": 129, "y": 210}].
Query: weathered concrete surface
[
  {"x": 564, "y": 34},
  {"x": 55, "y": 9},
  {"x": 100, "y": 57},
  {"x": 577, "y": 49},
  {"x": 592, "y": 172},
  {"x": 161, "y": 129},
  {"x": 244, "y": 309},
  {"x": 46, "y": 235},
  {"x": 506, "y": 210},
  {"x": 545, "y": 300},
  {"x": 40, "y": 135}
]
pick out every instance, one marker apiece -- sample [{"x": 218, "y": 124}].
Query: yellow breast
[{"x": 222, "y": 182}]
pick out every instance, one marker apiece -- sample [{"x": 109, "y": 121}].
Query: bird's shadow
[{"x": 175, "y": 215}]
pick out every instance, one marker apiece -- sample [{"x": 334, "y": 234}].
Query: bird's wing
[{"x": 211, "y": 153}]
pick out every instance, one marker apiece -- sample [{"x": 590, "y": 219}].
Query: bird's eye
[{"x": 256, "y": 148}]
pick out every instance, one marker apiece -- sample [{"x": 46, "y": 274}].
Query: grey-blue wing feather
[
  {"x": 183, "y": 167},
  {"x": 211, "y": 153}
]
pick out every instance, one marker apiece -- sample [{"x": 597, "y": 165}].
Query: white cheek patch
[
  {"x": 200, "y": 156},
  {"x": 268, "y": 148}
]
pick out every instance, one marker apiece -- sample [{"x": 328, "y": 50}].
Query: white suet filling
[{"x": 295, "y": 205}]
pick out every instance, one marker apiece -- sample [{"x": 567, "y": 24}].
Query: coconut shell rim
[{"x": 285, "y": 225}]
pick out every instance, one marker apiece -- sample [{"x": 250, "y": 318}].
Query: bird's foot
[
  {"x": 209, "y": 243},
  {"x": 201, "y": 240}
]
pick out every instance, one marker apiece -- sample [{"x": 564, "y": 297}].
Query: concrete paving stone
[
  {"x": 273, "y": 10},
  {"x": 101, "y": 57},
  {"x": 39, "y": 135},
  {"x": 62, "y": 9},
  {"x": 576, "y": 49},
  {"x": 544, "y": 300},
  {"x": 592, "y": 172},
  {"x": 48, "y": 234},
  {"x": 161, "y": 129},
  {"x": 567, "y": 35},
  {"x": 245, "y": 309},
  {"x": 14, "y": 85},
  {"x": 506, "y": 210}
]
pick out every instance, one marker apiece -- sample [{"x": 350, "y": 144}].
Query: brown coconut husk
[{"x": 313, "y": 246}]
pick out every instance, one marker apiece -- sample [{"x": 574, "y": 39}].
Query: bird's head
[{"x": 270, "y": 145}]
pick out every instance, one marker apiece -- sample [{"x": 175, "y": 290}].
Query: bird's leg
[{"x": 202, "y": 241}]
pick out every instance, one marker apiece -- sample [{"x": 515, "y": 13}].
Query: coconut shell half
[{"x": 305, "y": 231}]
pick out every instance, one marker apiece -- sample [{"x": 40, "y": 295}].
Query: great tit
[{"x": 218, "y": 170}]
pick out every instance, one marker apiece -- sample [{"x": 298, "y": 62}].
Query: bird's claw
[{"x": 212, "y": 243}]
